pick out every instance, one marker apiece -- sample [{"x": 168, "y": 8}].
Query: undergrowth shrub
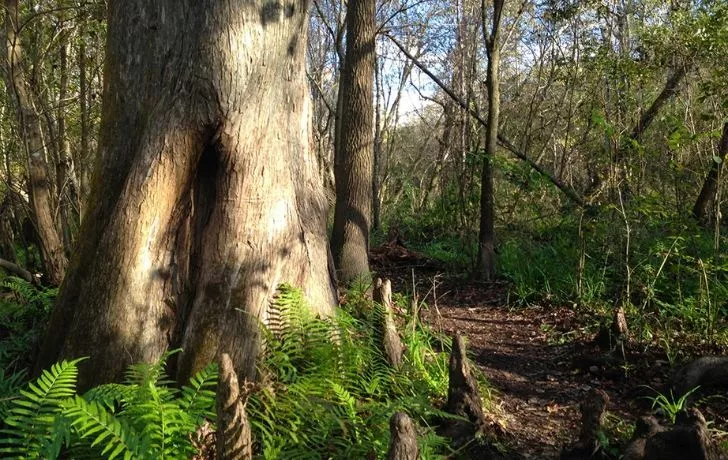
[
  {"x": 668, "y": 272},
  {"x": 145, "y": 417},
  {"x": 24, "y": 312},
  {"x": 325, "y": 390},
  {"x": 328, "y": 392}
]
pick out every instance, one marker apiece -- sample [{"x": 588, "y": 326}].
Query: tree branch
[
  {"x": 18, "y": 270},
  {"x": 502, "y": 140}
]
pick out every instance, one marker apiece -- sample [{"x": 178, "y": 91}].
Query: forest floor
[{"x": 541, "y": 361}]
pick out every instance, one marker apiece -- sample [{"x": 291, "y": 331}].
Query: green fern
[
  {"x": 141, "y": 418},
  {"x": 328, "y": 391},
  {"x": 94, "y": 423},
  {"x": 24, "y": 312},
  {"x": 198, "y": 397},
  {"x": 29, "y": 426}
]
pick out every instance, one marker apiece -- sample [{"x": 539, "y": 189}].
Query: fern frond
[
  {"x": 32, "y": 415},
  {"x": 110, "y": 395},
  {"x": 198, "y": 397},
  {"x": 91, "y": 420}
]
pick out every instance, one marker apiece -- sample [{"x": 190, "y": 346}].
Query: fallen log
[
  {"x": 687, "y": 439},
  {"x": 705, "y": 372},
  {"x": 19, "y": 271}
]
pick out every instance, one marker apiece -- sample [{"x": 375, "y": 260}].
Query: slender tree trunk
[
  {"x": 377, "y": 150},
  {"x": 485, "y": 267},
  {"x": 65, "y": 180},
  {"x": 83, "y": 153},
  {"x": 353, "y": 165},
  {"x": 206, "y": 194},
  {"x": 706, "y": 200},
  {"x": 34, "y": 144}
]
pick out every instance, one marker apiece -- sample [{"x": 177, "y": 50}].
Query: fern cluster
[
  {"x": 24, "y": 312},
  {"x": 327, "y": 391},
  {"x": 143, "y": 418}
]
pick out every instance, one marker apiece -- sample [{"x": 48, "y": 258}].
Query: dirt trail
[
  {"x": 540, "y": 361},
  {"x": 539, "y": 384},
  {"x": 536, "y": 385}
]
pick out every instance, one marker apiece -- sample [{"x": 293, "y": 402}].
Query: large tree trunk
[
  {"x": 354, "y": 154},
  {"x": 706, "y": 200},
  {"x": 206, "y": 195},
  {"x": 39, "y": 185},
  {"x": 485, "y": 268}
]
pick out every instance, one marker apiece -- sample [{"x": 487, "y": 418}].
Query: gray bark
[
  {"x": 354, "y": 149},
  {"x": 206, "y": 195}
]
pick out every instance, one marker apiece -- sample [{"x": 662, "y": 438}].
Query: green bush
[
  {"x": 145, "y": 417},
  {"x": 325, "y": 391}
]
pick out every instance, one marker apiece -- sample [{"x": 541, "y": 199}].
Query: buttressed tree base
[{"x": 206, "y": 196}]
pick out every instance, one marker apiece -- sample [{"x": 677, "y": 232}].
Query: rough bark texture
[
  {"x": 593, "y": 412},
  {"x": 463, "y": 397},
  {"x": 205, "y": 197},
  {"x": 403, "y": 445},
  {"x": 65, "y": 172},
  {"x": 39, "y": 185},
  {"x": 354, "y": 153},
  {"x": 609, "y": 338},
  {"x": 708, "y": 193},
  {"x": 234, "y": 440},
  {"x": 485, "y": 268},
  {"x": 83, "y": 152},
  {"x": 391, "y": 342},
  {"x": 687, "y": 439}
]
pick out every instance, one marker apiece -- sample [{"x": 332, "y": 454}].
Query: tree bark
[
  {"x": 18, "y": 271},
  {"x": 392, "y": 344},
  {"x": 354, "y": 155},
  {"x": 65, "y": 176},
  {"x": 206, "y": 194},
  {"x": 706, "y": 200},
  {"x": 234, "y": 441},
  {"x": 463, "y": 396},
  {"x": 485, "y": 266},
  {"x": 403, "y": 444},
  {"x": 83, "y": 152},
  {"x": 39, "y": 184}
]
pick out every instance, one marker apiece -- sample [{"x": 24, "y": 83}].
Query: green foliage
[
  {"x": 674, "y": 283},
  {"x": 142, "y": 417},
  {"x": 669, "y": 405},
  {"x": 328, "y": 392},
  {"x": 24, "y": 312},
  {"x": 30, "y": 425}
]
